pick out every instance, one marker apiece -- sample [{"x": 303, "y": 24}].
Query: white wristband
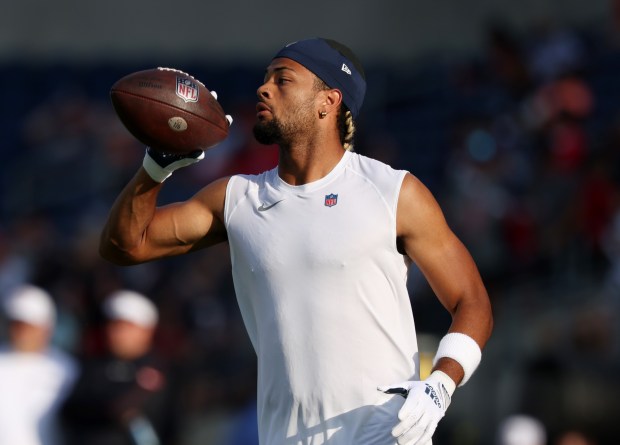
[{"x": 461, "y": 348}]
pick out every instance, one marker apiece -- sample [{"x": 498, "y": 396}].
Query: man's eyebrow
[{"x": 278, "y": 69}]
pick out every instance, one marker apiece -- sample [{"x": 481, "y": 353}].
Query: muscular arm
[
  {"x": 137, "y": 230},
  {"x": 446, "y": 264}
]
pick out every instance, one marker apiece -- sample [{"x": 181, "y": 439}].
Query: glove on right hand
[
  {"x": 160, "y": 165},
  {"x": 425, "y": 405}
]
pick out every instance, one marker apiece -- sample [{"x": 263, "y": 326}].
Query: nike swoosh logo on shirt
[{"x": 264, "y": 206}]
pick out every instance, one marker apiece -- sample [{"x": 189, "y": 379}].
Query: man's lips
[{"x": 262, "y": 107}]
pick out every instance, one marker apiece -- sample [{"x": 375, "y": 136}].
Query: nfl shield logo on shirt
[
  {"x": 331, "y": 200},
  {"x": 187, "y": 89}
]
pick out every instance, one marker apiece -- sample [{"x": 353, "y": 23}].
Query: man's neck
[{"x": 302, "y": 165}]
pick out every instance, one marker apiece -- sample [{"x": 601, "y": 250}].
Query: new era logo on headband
[{"x": 346, "y": 69}]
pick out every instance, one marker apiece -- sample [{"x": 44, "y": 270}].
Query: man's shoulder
[
  {"x": 243, "y": 183},
  {"x": 375, "y": 170},
  {"x": 244, "y": 188},
  {"x": 249, "y": 179},
  {"x": 371, "y": 164}
]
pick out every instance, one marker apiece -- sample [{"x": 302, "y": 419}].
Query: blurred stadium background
[{"x": 508, "y": 111}]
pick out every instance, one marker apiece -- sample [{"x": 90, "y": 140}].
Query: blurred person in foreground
[
  {"x": 35, "y": 377},
  {"x": 119, "y": 398},
  {"x": 521, "y": 429},
  {"x": 320, "y": 249}
]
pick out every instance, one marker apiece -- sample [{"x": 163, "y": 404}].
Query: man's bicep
[
  {"x": 193, "y": 224},
  {"x": 431, "y": 244},
  {"x": 420, "y": 223}
]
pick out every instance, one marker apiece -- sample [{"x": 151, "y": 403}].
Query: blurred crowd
[{"x": 520, "y": 143}]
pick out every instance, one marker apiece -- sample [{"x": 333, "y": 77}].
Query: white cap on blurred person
[
  {"x": 132, "y": 307},
  {"x": 522, "y": 430},
  {"x": 30, "y": 304}
]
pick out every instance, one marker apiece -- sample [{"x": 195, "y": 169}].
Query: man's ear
[{"x": 333, "y": 99}]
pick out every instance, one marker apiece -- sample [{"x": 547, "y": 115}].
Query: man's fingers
[
  {"x": 415, "y": 433},
  {"x": 409, "y": 415}
]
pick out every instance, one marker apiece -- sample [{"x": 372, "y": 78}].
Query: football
[{"x": 169, "y": 110}]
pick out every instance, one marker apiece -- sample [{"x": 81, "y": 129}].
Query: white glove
[
  {"x": 425, "y": 405},
  {"x": 160, "y": 165}
]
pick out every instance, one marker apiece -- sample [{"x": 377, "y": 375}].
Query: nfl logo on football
[
  {"x": 187, "y": 89},
  {"x": 331, "y": 200}
]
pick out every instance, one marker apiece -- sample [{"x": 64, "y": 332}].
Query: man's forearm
[{"x": 129, "y": 218}]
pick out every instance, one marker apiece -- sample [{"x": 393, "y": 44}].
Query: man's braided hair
[{"x": 346, "y": 125}]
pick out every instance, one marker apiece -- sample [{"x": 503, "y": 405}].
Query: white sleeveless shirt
[{"x": 322, "y": 291}]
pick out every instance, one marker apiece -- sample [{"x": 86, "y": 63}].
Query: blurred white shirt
[{"x": 32, "y": 388}]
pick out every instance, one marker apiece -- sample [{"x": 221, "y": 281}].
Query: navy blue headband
[{"x": 331, "y": 66}]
